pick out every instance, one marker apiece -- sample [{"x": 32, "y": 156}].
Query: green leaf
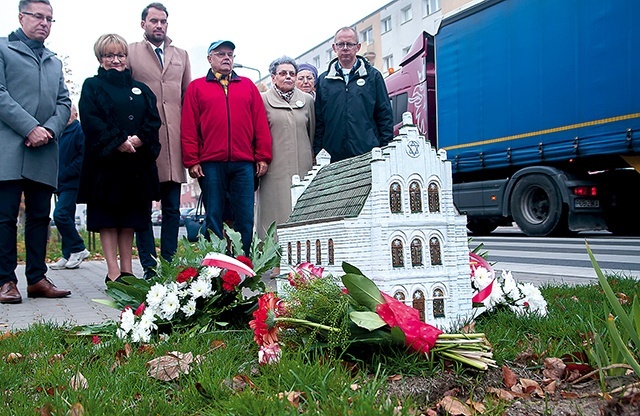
[
  {"x": 625, "y": 320},
  {"x": 628, "y": 356},
  {"x": 363, "y": 290},
  {"x": 106, "y": 302},
  {"x": 236, "y": 240},
  {"x": 398, "y": 336},
  {"x": 367, "y": 320},
  {"x": 350, "y": 268}
]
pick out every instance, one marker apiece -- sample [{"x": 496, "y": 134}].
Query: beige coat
[
  {"x": 169, "y": 85},
  {"x": 292, "y": 127}
]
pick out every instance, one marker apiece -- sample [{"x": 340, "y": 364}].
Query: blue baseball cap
[{"x": 219, "y": 43}]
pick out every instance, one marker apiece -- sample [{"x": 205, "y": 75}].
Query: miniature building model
[{"x": 390, "y": 213}]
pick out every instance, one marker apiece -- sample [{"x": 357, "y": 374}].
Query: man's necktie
[{"x": 159, "y": 53}]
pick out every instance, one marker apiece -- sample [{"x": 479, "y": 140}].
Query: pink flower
[
  {"x": 419, "y": 335},
  {"x": 303, "y": 273},
  {"x": 230, "y": 280},
  {"x": 95, "y": 340},
  {"x": 187, "y": 274},
  {"x": 140, "y": 309},
  {"x": 269, "y": 354}
]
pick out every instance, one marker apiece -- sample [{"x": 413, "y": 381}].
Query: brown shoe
[
  {"x": 9, "y": 293},
  {"x": 46, "y": 289}
]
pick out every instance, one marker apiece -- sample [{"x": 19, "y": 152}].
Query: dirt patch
[{"x": 583, "y": 399}]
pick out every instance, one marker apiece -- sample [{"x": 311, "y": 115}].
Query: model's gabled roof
[{"x": 338, "y": 191}]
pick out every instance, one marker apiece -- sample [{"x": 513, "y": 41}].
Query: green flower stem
[
  {"x": 479, "y": 364},
  {"x": 307, "y": 323}
]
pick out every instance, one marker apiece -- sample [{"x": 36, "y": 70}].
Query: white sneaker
[
  {"x": 59, "y": 265},
  {"x": 76, "y": 258}
]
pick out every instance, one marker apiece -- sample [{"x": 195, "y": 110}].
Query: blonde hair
[{"x": 107, "y": 40}]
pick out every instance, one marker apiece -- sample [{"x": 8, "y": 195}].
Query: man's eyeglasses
[
  {"x": 285, "y": 73},
  {"x": 223, "y": 54},
  {"x": 111, "y": 56},
  {"x": 39, "y": 16},
  {"x": 345, "y": 45}
]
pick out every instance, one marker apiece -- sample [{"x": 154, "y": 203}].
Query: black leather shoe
[
  {"x": 46, "y": 289},
  {"x": 9, "y": 293},
  {"x": 118, "y": 279}
]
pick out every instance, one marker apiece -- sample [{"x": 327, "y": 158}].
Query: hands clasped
[{"x": 130, "y": 145}]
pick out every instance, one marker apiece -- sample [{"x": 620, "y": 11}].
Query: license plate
[{"x": 587, "y": 203}]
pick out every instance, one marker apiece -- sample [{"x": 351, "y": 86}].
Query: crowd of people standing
[{"x": 145, "y": 123}]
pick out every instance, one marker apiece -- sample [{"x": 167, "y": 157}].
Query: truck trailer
[{"x": 537, "y": 103}]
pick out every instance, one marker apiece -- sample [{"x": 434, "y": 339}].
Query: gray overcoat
[{"x": 32, "y": 93}]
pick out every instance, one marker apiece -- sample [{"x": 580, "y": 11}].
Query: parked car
[
  {"x": 183, "y": 214},
  {"x": 156, "y": 217}
]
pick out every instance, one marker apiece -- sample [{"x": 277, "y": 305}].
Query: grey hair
[
  {"x": 349, "y": 28},
  {"x": 273, "y": 66},
  {"x": 24, "y": 3}
]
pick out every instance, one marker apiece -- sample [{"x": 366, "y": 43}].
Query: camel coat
[
  {"x": 292, "y": 125},
  {"x": 169, "y": 85}
]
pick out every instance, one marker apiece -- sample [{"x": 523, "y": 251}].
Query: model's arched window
[
  {"x": 434, "y": 251},
  {"x": 416, "y": 253},
  {"x": 415, "y": 197},
  {"x": 395, "y": 198},
  {"x": 318, "y": 252},
  {"x": 289, "y": 253},
  {"x": 418, "y": 303},
  {"x": 434, "y": 197},
  {"x": 438, "y": 303},
  {"x": 330, "y": 251},
  {"x": 396, "y": 253},
  {"x": 298, "y": 252},
  {"x": 308, "y": 251},
  {"x": 399, "y": 295}
]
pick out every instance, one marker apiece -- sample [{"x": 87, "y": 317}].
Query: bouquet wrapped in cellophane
[{"x": 319, "y": 311}]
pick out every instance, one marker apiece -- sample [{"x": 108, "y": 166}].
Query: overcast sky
[{"x": 261, "y": 30}]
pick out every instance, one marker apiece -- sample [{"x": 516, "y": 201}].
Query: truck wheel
[
  {"x": 536, "y": 205},
  {"x": 481, "y": 226}
]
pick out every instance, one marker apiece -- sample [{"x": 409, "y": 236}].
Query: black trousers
[{"x": 37, "y": 202}]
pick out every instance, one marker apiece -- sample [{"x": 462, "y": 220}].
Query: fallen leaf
[
  {"x": 146, "y": 349},
  {"x": 170, "y": 366},
  {"x": 294, "y": 398},
  {"x": 79, "y": 382},
  {"x": 469, "y": 329},
  {"x": 431, "y": 412},
  {"x": 551, "y": 387},
  {"x": 203, "y": 392},
  {"x": 6, "y": 335},
  {"x": 14, "y": 357},
  {"x": 394, "y": 377},
  {"x": 451, "y": 392},
  {"x": 238, "y": 383},
  {"x": 56, "y": 357},
  {"x": 76, "y": 410},
  {"x": 46, "y": 409},
  {"x": 354, "y": 386},
  {"x": 454, "y": 407},
  {"x": 622, "y": 298},
  {"x": 216, "y": 343},
  {"x": 575, "y": 299},
  {"x": 477, "y": 406},
  {"x": 531, "y": 387},
  {"x": 554, "y": 368},
  {"x": 569, "y": 395},
  {"x": 509, "y": 377},
  {"x": 502, "y": 394}
]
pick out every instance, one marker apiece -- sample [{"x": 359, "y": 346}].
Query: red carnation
[
  {"x": 265, "y": 331},
  {"x": 230, "y": 280},
  {"x": 186, "y": 274},
  {"x": 246, "y": 260},
  {"x": 419, "y": 335}
]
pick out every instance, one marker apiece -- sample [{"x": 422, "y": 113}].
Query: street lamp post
[{"x": 248, "y": 67}]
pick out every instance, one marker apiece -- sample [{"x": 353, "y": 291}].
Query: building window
[
  {"x": 430, "y": 6},
  {"x": 396, "y": 253},
  {"x": 330, "y": 251},
  {"x": 438, "y": 303},
  {"x": 318, "y": 252},
  {"x": 399, "y": 296},
  {"x": 366, "y": 36},
  {"x": 406, "y": 14},
  {"x": 416, "y": 253},
  {"x": 418, "y": 303},
  {"x": 387, "y": 63},
  {"x": 308, "y": 251},
  {"x": 289, "y": 253},
  {"x": 405, "y": 51},
  {"x": 316, "y": 61},
  {"x": 434, "y": 251},
  {"x": 434, "y": 197},
  {"x": 395, "y": 198},
  {"x": 329, "y": 55},
  {"x": 385, "y": 24},
  {"x": 415, "y": 197},
  {"x": 299, "y": 252}
]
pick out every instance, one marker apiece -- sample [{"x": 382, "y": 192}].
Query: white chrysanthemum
[
  {"x": 210, "y": 272},
  {"x": 148, "y": 319},
  {"x": 183, "y": 292},
  {"x": 190, "y": 308},
  {"x": 537, "y": 303},
  {"x": 120, "y": 333},
  {"x": 140, "y": 334},
  {"x": 156, "y": 295},
  {"x": 170, "y": 305},
  {"x": 482, "y": 277},
  {"x": 127, "y": 320},
  {"x": 200, "y": 288},
  {"x": 509, "y": 286},
  {"x": 172, "y": 287}
]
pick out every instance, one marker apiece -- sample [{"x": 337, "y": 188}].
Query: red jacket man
[{"x": 225, "y": 140}]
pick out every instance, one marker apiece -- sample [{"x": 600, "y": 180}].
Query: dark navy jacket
[{"x": 71, "y": 146}]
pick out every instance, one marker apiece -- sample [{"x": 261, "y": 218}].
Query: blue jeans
[
  {"x": 37, "y": 202},
  {"x": 170, "y": 200},
  {"x": 64, "y": 215},
  {"x": 236, "y": 179}
]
